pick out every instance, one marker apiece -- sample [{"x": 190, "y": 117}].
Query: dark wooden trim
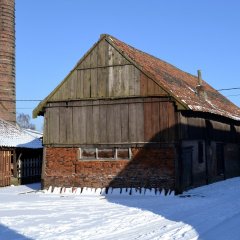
[
  {"x": 210, "y": 116},
  {"x": 107, "y": 66},
  {"x": 128, "y": 100},
  {"x": 122, "y": 145}
]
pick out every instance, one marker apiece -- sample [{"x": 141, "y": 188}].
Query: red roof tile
[{"x": 178, "y": 83}]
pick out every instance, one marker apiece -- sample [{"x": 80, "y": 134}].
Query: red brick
[{"x": 149, "y": 168}]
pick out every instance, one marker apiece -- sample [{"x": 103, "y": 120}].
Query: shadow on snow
[{"x": 9, "y": 234}]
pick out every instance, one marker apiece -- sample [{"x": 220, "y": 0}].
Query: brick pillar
[{"x": 7, "y": 61}]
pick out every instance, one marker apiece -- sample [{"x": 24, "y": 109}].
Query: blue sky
[{"x": 52, "y": 35}]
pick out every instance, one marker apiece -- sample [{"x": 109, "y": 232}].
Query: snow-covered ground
[{"x": 209, "y": 212}]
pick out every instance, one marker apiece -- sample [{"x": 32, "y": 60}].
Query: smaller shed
[{"x": 20, "y": 155}]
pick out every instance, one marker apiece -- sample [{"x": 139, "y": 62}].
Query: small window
[
  {"x": 104, "y": 153},
  {"x": 200, "y": 152},
  {"x": 88, "y": 153},
  {"x": 123, "y": 153}
]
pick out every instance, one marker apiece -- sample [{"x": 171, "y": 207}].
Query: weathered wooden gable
[
  {"x": 94, "y": 104},
  {"x": 111, "y": 121},
  {"x": 103, "y": 73}
]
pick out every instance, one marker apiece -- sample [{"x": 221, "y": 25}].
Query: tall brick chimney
[{"x": 7, "y": 61}]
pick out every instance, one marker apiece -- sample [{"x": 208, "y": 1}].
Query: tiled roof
[
  {"x": 13, "y": 136},
  {"x": 178, "y": 83}
]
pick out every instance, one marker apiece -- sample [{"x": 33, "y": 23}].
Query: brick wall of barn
[{"x": 148, "y": 167}]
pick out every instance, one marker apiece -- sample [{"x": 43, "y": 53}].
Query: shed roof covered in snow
[
  {"x": 188, "y": 90},
  {"x": 13, "y": 136}
]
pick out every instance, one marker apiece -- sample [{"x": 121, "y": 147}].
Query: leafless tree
[{"x": 23, "y": 120}]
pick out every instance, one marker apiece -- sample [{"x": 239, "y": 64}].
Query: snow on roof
[
  {"x": 13, "y": 136},
  {"x": 33, "y": 133}
]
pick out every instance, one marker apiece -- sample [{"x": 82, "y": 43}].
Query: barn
[{"x": 123, "y": 118}]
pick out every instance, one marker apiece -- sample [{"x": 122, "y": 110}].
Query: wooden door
[
  {"x": 5, "y": 168},
  {"x": 186, "y": 176}
]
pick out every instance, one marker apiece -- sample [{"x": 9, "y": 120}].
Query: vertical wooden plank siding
[
  {"x": 143, "y": 84},
  {"x": 104, "y": 72},
  {"x": 75, "y": 86},
  {"x": 5, "y": 168},
  {"x": 80, "y": 84},
  {"x": 76, "y": 123},
  {"x": 62, "y": 124},
  {"x": 94, "y": 57},
  {"x": 110, "y": 123},
  {"x": 136, "y": 79},
  {"x": 125, "y": 80},
  {"x": 95, "y": 124},
  {"x": 94, "y": 74},
  {"x": 117, "y": 80},
  {"x": 150, "y": 87},
  {"x": 72, "y": 85},
  {"x": 115, "y": 56},
  {"x": 69, "y": 124},
  {"x": 102, "y": 51},
  {"x": 131, "y": 81},
  {"x": 108, "y": 81},
  {"x": 51, "y": 125},
  {"x": 46, "y": 130},
  {"x": 103, "y": 123},
  {"x": 111, "y": 54},
  {"x": 102, "y": 82},
  {"x": 164, "y": 135},
  {"x": 171, "y": 121},
  {"x": 140, "y": 121},
  {"x": 117, "y": 124},
  {"x": 132, "y": 122},
  {"x": 89, "y": 123},
  {"x": 86, "y": 83},
  {"x": 86, "y": 63},
  {"x": 54, "y": 124},
  {"x": 111, "y": 81},
  {"x": 124, "y": 122},
  {"x": 147, "y": 120},
  {"x": 94, "y": 83},
  {"x": 83, "y": 123},
  {"x": 155, "y": 120}
]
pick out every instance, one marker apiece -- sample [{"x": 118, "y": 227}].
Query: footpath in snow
[{"x": 209, "y": 212}]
